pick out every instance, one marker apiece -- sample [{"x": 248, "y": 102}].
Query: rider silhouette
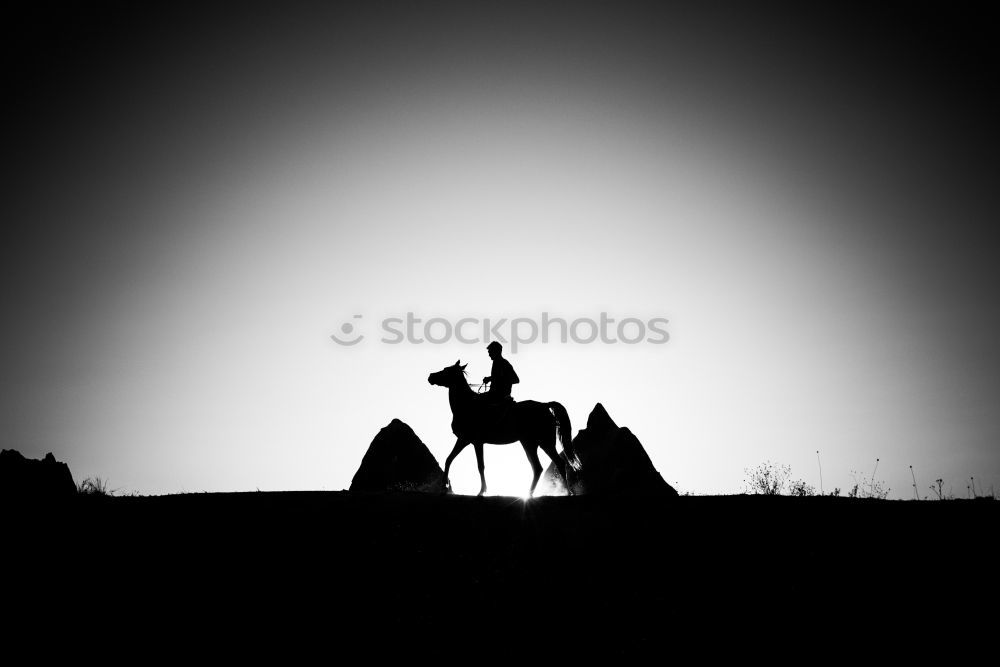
[{"x": 503, "y": 376}]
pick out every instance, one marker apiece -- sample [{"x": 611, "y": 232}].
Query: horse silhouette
[{"x": 476, "y": 421}]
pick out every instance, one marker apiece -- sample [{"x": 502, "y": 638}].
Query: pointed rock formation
[
  {"x": 614, "y": 462},
  {"x": 34, "y": 478},
  {"x": 397, "y": 461}
]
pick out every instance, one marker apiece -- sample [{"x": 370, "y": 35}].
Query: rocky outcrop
[
  {"x": 34, "y": 478},
  {"x": 397, "y": 460},
  {"x": 614, "y": 463}
]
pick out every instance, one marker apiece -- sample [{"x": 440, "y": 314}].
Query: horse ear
[
  {"x": 458, "y": 361},
  {"x": 463, "y": 366}
]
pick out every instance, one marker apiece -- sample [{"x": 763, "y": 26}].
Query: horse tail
[{"x": 565, "y": 433}]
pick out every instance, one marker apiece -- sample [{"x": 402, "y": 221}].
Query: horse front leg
[
  {"x": 482, "y": 467},
  {"x": 460, "y": 444}
]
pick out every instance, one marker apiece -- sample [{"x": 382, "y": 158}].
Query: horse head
[{"x": 449, "y": 376}]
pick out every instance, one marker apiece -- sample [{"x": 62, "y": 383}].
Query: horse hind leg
[
  {"x": 550, "y": 450},
  {"x": 531, "y": 451},
  {"x": 482, "y": 467}
]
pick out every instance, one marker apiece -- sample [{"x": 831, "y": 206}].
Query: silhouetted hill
[
  {"x": 614, "y": 462},
  {"x": 34, "y": 478},
  {"x": 397, "y": 460}
]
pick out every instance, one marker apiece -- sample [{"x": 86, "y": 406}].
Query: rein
[{"x": 475, "y": 384}]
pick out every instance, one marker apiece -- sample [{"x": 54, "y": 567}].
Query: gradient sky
[{"x": 197, "y": 199}]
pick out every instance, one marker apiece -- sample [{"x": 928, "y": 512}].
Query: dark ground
[{"x": 425, "y": 577}]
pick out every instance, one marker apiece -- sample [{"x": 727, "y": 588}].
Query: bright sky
[{"x": 235, "y": 221}]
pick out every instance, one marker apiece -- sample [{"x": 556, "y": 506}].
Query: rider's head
[{"x": 494, "y": 349}]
